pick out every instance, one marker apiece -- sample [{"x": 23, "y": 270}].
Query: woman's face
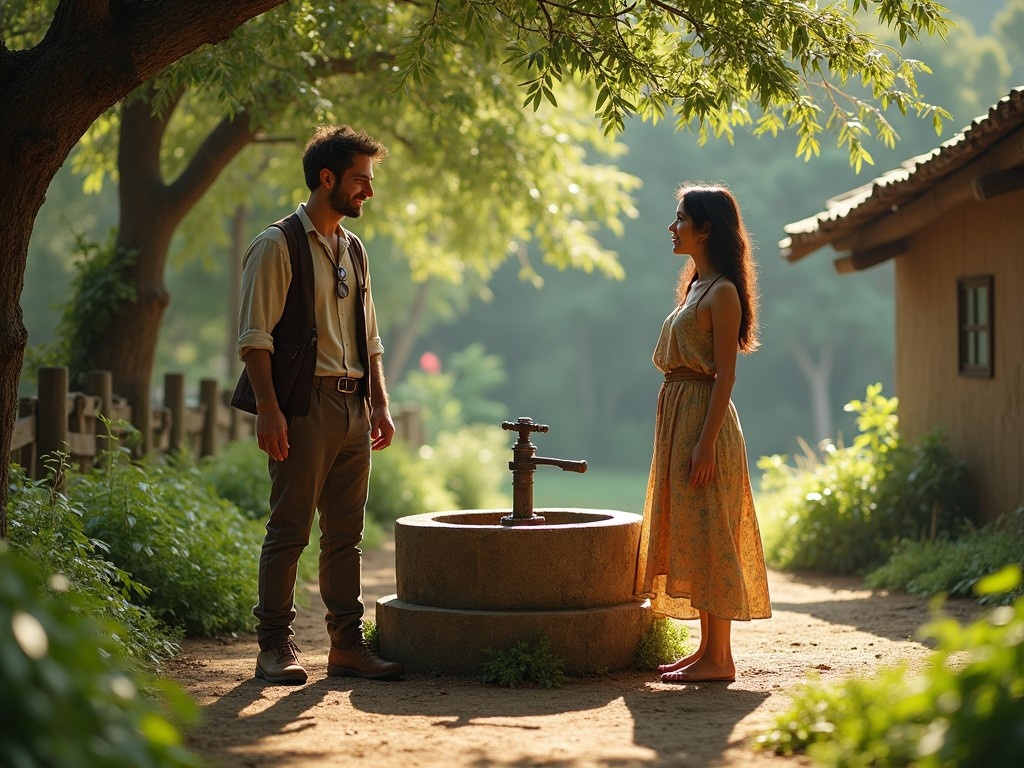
[{"x": 685, "y": 239}]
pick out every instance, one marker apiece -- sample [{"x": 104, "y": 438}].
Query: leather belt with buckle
[{"x": 344, "y": 384}]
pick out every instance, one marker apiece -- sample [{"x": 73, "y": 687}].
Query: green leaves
[
  {"x": 848, "y": 510},
  {"x": 526, "y": 661},
  {"x": 755, "y": 54},
  {"x": 964, "y": 709},
  {"x": 70, "y": 696}
]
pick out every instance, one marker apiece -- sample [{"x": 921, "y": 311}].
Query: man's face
[{"x": 355, "y": 185}]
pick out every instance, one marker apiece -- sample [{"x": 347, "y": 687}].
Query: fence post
[
  {"x": 209, "y": 398},
  {"x": 409, "y": 426},
  {"x": 174, "y": 400},
  {"x": 101, "y": 384},
  {"x": 51, "y": 416}
]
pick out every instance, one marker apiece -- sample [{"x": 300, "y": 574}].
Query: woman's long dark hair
[{"x": 714, "y": 209}]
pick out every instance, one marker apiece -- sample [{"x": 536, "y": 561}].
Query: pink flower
[{"x": 430, "y": 363}]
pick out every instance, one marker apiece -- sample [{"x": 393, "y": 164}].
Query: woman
[{"x": 700, "y": 548}]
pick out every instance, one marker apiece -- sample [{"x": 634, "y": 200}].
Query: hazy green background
[{"x": 576, "y": 351}]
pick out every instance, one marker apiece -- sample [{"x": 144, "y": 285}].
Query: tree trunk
[
  {"x": 150, "y": 212},
  {"x": 819, "y": 375},
  {"x": 405, "y": 337},
  {"x": 91, "y": 57},
  {"x": 238, "y": 243}
]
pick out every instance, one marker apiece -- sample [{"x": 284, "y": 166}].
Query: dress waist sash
[{"x": 688, "y": 374}]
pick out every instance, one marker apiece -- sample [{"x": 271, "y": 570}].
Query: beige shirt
[{"x": 266, "y": 275}]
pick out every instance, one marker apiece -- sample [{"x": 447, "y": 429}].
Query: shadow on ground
[{"x": 666, "y": 721}]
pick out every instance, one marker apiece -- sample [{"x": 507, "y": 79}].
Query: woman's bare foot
[
  {"x": 702, "y": 671},
  {"x": 680, "y": 663}
]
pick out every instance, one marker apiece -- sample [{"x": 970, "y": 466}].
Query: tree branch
[{"x": 220, "y": 147}]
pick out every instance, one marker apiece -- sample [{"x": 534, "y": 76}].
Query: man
[{"x": 308, "y": 337}]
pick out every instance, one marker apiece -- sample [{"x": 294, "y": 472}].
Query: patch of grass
[{"x": 526, "y": 661}]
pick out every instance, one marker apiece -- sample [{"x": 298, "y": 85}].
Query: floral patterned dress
[{"x": 700, "y": 548}]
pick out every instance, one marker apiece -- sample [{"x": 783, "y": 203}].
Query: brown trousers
[{"x": 327, "y": 469}]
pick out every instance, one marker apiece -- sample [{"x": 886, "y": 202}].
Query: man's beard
[{"x": 344, "y": 206}]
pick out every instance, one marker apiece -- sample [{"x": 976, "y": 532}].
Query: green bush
[
  {"x": 954, "y": 567},
  {"x": 459, "y": 395},
  {"x": 664, "y": 643},
  {"x": 47, "y": 528},
  {"x": 401, "y": 483},
  {"x": 846, "y": 511},
  {"x": 526, "y": 661},
  {"x": 70, "y": 698},
  {"x": 239, "y": 474},
  {"x": 965, "y": 710},
  {"x": 473, "y": 463},
  {"x": 169, "y": 530}
]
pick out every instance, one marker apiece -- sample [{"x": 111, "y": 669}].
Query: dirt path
[{"x": 621, "y": 719}]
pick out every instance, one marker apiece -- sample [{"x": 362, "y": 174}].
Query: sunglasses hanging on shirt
[{"x": 341, "y": 286}]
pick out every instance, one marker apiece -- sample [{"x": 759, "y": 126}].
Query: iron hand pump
[{"x": 524, "y": 463}]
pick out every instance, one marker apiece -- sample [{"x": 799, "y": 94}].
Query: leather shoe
[
  {"x": 280, "y": 665},
  {"x": 361, "y": 660}
]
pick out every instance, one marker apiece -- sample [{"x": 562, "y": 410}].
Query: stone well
[{"x": 467, "y": 583}]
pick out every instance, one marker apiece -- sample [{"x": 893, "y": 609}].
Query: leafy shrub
[
  {"x": 924, "y": 492},
  {"x": 168, "y": 529},
  {"x": 239, "y": 474},
  {"x": 846, "y": 511},
  {"x": 526, "y": 661},
  {"x": 401, "y": 484},
  {"x": 473, "y": 463},
  {"x": 457, "y": 396},
  {"x": 930, "y": 568},
  {"x": 964, "y": 710},
  {"x": 665, "y": 642},
  {"x": 70, "y": 698},
  {"x": 47, "y": 528}
]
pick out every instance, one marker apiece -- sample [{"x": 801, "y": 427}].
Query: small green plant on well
[
  {"x": 371, "y": 633},
  {"x": 965, "y": 709},
  {"x": 525, "y": 661},
  {"x": 665, "y": 642}
]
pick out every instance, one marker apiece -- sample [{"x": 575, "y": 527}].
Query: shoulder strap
[
  {"x": 358, "y": 253},
  {"x": 299, "y": 314},
  {"x": 292, "y": 228},
  {"x": 705, "y": 291}
]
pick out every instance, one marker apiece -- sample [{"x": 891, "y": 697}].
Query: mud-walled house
[{"x": 953, "y": 222}]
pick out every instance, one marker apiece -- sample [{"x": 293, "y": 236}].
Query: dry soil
[{"x": 832, "y": 626}]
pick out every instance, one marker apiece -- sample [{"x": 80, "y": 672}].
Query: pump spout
[{"x": 564, "y": 464}]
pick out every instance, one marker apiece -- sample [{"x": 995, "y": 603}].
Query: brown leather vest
[{"x": 294, "y": 360}]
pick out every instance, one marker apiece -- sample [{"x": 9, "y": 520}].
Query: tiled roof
[{"x": 897, "y": 187}]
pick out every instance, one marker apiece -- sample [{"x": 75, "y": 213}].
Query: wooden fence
[{"x": 56, "y": 419}]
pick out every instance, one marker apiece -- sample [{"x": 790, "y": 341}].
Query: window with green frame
[{"x": 976, "y": 323}]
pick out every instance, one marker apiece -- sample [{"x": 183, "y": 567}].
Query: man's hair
[{"x": 335, "y": 147}]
